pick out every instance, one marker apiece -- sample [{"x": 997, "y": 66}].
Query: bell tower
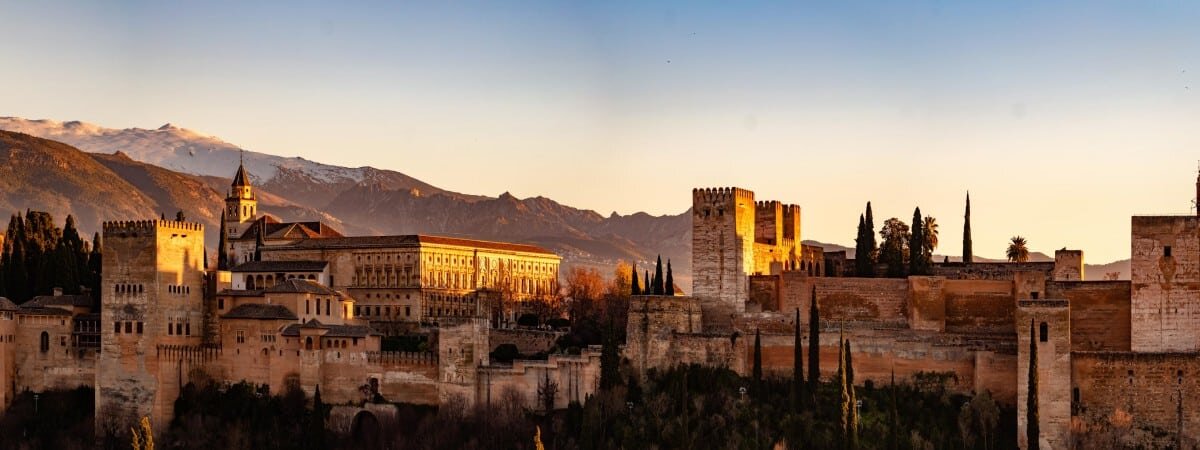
[{"x": 241, "y": 207}]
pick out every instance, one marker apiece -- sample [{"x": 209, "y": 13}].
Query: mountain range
[{"x": 99, "y": 173}]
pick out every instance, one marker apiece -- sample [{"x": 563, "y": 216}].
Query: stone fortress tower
[{"x": 153, "y": 292}]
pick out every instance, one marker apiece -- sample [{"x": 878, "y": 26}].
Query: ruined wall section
[
  {"x": 990, "y": 271},
  {"x": 462, "y": 348},
  {"x": 722, "y": 244},
  {"x": 652, "y": 322},
  {"x": 1100, "y": 313},
  {"x": 1068, "y": 265},
  {"x": 574, "y": 379},
  {"x": 1165, "y": 277},
  {"x": 1139, "y": 400}
]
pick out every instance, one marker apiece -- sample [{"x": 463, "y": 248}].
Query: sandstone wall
[
  {"x": 528, "y": 342},
  {"x": 979, "y": 306},
  {"x": 575, "y": 378},
  {"x": 990, "y": 271},
  {"x": 1165, "y": 288},
  {"x": 881, "y": 301},
  {"x": 1100, "y": 313},
  {"x": 1146, "y": 400},
  {"x": 61, "y": 366}
]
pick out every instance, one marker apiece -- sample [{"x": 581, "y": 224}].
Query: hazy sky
[{"x": 1062, "y": 119}]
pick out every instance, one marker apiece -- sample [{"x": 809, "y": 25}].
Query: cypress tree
[
  {"x": 916, "y": 245},
  {"x": 871, "y": 245},
  {"x": 610, "y": 360},
  {"x": 649, "y": 290},
  {"x": 797, "y": 367},
  {"x": 757, "y": 361},
  {"x": 658, "y": 277},
  {"x": 893, "y": 437},
  {"x": 814, "y": 344},
  {"x": 258, "y": 242},
  {"x": 18, "y": 275},
  {"x": 320, "y": 411},
  {"x": 968, "y": 254},
  {"x": 95, "y": 263},
  {"x": 845, "y": 400},
  {"x": 669, "y": 286},
  {"x": 852, "y": 431},
  {"x": 1032, "y": 427},
  {"x": 180, "y": 216},
  {"x": 636, "y": 290},
  {"x": 862, "y": 254},
  {"x": 222, "y": 253}
]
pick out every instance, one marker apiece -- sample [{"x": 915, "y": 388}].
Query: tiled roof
[
  {"x": 296, "y": 285},
  {"x": 241, "y": 293},
  {"x": 274, "y": 229},
  {"x": 410, "y": 240},
  {"x": 7, "y": 305},
  {"x": 42, "y": 311},
  {"x": 260, "y": 311},
  {"x": 281, "y": 266},
  {"x": 60, "y": 300},
  {"x": 344, "y": 331}
]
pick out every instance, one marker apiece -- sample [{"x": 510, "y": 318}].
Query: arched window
[
  {"x": 45, "y": 342},
  {"x": 1045, "y": 332}
]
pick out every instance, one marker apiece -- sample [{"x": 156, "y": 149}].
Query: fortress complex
[
  {"x": 1107, "y": 351},
  {"x": 304, "y": 306}
]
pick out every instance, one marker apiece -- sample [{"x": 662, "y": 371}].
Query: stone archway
[{"x": 366, "y": 432}]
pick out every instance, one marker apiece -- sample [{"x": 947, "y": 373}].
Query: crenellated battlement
[
  {"x": 146, "y": 226},
  {"x": 721, "y": 195}
]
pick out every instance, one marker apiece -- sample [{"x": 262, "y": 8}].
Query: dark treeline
[{"x": 38, "y": 256}]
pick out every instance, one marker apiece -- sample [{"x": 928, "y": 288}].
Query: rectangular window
[
  {"x": 327, "y": 307},
  {"x": 179, "y": 329},
  {"x": 241, "y": 336},
  {"x": 128, "y": 327},
  {"x": 407, "y": 311},
  {"x": 116, "y": 327},
  {"x": 1167, "y": 251},
  {"x": 221, "y": 303},
  {"x": 187, "y": 328},
  {"x": 1034, "y": 295},
  {"x": 170, "y": 329},
  {"x": 139, "y": 327},
  {"x": 306, "y": 310}
]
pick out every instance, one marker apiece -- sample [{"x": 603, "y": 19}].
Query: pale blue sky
[{"x": 1062, "y": 118}]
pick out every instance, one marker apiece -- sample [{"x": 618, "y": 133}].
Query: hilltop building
[{"x": 301, "y": 305}]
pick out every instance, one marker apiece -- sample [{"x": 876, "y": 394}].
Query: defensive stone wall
[
  {"x": 528, "y": 342},
  {"x": 722, "y": 244},
  {"x": 1045, "y": 324},
  {"x": 574, "y": 379},
  {"x": 1136, "y": 400},
  {"x": 875, "y": 301},
  {"x": 1099, "y": 313},
  {"x": 979, "y": 306},
  {"x": 990, "y": 271},
  {"x": 1165, "y": 277}
]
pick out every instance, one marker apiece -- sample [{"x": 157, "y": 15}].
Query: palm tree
[
  {"x": 931, "y": 234},
  {"x": 1017, "y": 252}
]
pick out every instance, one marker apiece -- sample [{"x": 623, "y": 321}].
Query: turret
[{"x": 241, "y": 208}]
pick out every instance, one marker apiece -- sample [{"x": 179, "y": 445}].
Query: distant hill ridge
[{"x": 139, "y": 173}]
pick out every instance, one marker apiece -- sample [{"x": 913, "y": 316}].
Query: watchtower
[
  {"x": 723, "y": 229},
  {"x": 153, "y": 288}
]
